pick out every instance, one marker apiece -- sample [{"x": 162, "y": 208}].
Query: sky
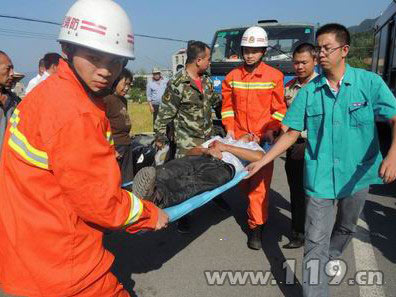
[{"x": 185, "y": 20}]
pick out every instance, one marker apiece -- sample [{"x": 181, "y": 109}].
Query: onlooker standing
[
  {"x": 304, "y": 62},
  {"x": 154, "y": 90},
  {"x": 120, "y": 122},
  {"x": 17, "y": 86},
  {"x": 33, "y": 82},
  {"x": 51, "y": 62},
  {"x": 8, "y": 100},
  {"x": 188, "y": 101}
]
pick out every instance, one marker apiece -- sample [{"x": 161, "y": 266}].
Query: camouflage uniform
[{"x": 190, "y": 110}]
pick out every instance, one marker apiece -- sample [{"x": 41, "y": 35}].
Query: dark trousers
[
  {"x": 186, "y": 177},
  {"x": 155, "y": 113},
  {"x": 295, "y": 176}
]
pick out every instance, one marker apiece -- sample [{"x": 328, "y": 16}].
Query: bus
[
  {"x": 283, "y": 38},
  {"x": 384, "y": 54},
  {"x": 384, "y": 62}
]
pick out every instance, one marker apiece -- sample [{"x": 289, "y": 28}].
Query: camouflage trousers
[{"x": 183, "y": 148}]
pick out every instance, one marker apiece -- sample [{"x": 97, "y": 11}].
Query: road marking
[{"x": 365, "y": 261}]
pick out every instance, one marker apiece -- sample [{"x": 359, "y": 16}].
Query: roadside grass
[{"x": 141, "y": 117}]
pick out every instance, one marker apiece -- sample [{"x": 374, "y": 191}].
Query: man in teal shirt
[{"x": 342, "y": 158}]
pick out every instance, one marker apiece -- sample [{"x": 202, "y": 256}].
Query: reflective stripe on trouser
[
  {"x": 107, "y": 285},
  {"x": 257, "y": 189}
]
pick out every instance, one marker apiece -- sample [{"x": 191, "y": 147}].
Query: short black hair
[
  {"x": 51, "y": 59},
  {"x": 305, "y": 47},
  {"x": 195, "y": 50},
  {"x": 125, "y": 73},
  {"x": 41, "y": 63},
  {"x": 341, "y": 32},
  {"x": 3, "y": 54}
]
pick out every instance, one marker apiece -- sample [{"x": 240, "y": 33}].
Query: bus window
[
  {"x": 382, "y": 50},
  {"x": 227, "y": 46},
  {"x": 375, "y": 52},
  {"x": 393, "y": 65},
  {"x": 282, "y": 41}
]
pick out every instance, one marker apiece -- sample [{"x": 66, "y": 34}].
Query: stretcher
[
  {"x": 187, "y": 206},
  {"x": 177, "y": 211}
]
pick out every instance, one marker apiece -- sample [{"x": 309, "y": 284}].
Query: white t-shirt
[
  {"x": 32, "y": 83},
  {"x": 229, "y": 158},
  {"x": 41, "y": 79}
]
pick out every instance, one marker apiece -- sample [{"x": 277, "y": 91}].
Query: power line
[
  {"x": 29, "y": 19},
  {"x": 58, "y": 24}
]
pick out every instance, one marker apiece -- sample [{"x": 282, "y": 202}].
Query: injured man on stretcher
[{"x": 204, "y": 168}]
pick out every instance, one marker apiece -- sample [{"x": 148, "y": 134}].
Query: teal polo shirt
[{"x": 342, "y": 155}]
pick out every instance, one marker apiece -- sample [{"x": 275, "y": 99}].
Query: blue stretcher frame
[{"x": 180, "y": 210}]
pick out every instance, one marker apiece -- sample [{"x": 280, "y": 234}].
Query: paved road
[{"x": 169, "y": 264}]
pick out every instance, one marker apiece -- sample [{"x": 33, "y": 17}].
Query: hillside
[
  {"x": 362, "y": 44},
  {"x": 366, "y": 25}
]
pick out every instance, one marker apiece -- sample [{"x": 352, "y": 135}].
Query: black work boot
[{"x": 254, "y": 238}]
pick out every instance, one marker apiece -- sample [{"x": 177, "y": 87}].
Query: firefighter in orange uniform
[
  {"x": 253, "y": 103},
  {"x": 59, "y": 180}
]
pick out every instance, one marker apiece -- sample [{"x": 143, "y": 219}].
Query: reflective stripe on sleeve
[
  {"x": 227, "y": 114},
  {"x": 19, "y": 143},
  {"x": 278, "y": 116},
  {"x": 109, "y": 137},
  {"x": 136, "y": 209}
]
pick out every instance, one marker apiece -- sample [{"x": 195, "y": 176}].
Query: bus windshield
[{"x": 282, "y": 40}]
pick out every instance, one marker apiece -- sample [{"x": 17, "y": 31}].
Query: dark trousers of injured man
[{"x": 188, "y": 176}]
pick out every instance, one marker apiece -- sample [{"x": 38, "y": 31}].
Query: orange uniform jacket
[
  {"x": 59, "y": 186},
  {"x": 253, "y": 102}
]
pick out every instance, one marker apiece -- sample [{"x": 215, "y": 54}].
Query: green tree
[
  {"x": 140, "y": 83},
  {"x": 361, "y": 51}
]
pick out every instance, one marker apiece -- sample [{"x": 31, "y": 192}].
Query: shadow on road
[
  {"x": 278, "y": 226},
  {"x": 382, "y": 221},
  {"x": 141, "y": 253}
]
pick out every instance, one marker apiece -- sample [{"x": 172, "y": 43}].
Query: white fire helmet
[
  {"x": 255, "y": 37},
  {"x": 101, "y": 25}
]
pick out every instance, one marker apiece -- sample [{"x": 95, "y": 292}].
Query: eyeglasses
[{"x": 327, "y": 51}]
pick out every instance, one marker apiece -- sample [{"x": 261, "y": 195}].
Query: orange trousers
[{"x": 257, "y": 190}]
